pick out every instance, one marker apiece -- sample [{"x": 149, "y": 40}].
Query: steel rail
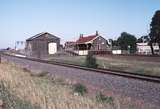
[{"x": 149, "y": 78}]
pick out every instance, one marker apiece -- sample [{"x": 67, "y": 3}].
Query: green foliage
[
  {"x": 105, "y": 99},
  {"x": 12, "y": 102},
  {"x": 127, "y": 42},
  {"x": 144, "y": 39},
  {"x": 155, "y": 29},
  {"x": 91, "y": 61},
  {"x": 113, "y": 42},
  {"x": 80, "y": 88}
]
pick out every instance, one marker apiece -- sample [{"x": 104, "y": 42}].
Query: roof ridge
[
  {"x": 85, "y": 39},
  {"x": 39, "y": 34}
]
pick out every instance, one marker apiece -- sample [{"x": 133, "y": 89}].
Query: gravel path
[{"x": 143, "y": 90}]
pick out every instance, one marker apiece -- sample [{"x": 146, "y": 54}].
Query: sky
[{"x": 21, "y": 19}]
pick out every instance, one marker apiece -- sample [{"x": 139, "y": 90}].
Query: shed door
[{"x": 52, "y": 48}]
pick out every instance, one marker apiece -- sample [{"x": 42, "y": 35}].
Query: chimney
[
  {"x": 97, "y": 33},
  {"x": 81, "y": 36}
]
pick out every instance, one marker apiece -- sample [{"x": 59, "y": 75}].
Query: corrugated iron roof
[
  {"x": 40, "y": 34},
  {"x": 85, "y": 39}
]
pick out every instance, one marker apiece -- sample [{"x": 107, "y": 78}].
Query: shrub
[
  {"x": 26, "y": 70},
  {"x": 79, "y": 88},
  {"x": 105, "y": 99},
  {"x": 91, "y": 61},
  {"x": 40, "y": 74}
]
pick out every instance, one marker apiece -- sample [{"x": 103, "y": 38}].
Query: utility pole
[{"x": 0, "y": 57}]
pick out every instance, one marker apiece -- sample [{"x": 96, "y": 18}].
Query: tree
[
  {"x": 113, "y": 42},
  {"x": 91, "y": 61},
  {"x": 155, "y": 30},
  {"x": 144, "y": 39},
  {"x": 127, "y": 41}
]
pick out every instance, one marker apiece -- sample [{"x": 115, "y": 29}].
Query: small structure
[
  {"x": 145, "y": 49},
  {"x": 42, "y": 45},
  {"x": 87, "y": 43},
  {"x": 116, "y": 51}
]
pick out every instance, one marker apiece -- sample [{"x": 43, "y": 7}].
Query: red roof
[{"x": 85, "y": 39}]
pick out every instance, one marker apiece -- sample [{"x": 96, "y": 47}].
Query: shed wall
[{"x": 39, "y": 47}]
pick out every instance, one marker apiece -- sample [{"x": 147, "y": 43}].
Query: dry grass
[
  {"x": 43, "y": 92},
  {"x": 133, "y": 66}
]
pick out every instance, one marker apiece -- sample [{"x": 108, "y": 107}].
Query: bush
[
  {"x": 79, "y": 88},
  {"x": 26, "y": 70},
  {"x": 40, "y": 74},
  {"x": 91, "y": 61},
  {"x": 105, "y": 99}
]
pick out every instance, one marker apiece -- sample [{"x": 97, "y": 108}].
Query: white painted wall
[
  {"x": 82, "y": 52},
  {"x": 116, "y": 51},
  {"x": 52, "y": 48},
  {"x": 144, "y": 48}
]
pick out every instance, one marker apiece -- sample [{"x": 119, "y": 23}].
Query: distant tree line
[{"x": 127, "y": 41}]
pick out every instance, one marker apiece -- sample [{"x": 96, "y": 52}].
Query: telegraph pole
[{"x": 0, "y": 57}]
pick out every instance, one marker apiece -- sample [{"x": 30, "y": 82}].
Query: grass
[
  {"x": 22, "y": 90},
  {"x": 28, "y": 92},
  {"x": 12, "y": 102},
  {"x": 133, "y": 66},
  {"x": 107, "y": 99},
  {"x": 39, "y": 74}
]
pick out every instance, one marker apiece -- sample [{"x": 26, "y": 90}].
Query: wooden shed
[{"x": 42, "y": 45}]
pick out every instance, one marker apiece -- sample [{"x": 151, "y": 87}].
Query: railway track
[
  {"x": 98, "y": 70},
  {"x": 139, "y": 87}
]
